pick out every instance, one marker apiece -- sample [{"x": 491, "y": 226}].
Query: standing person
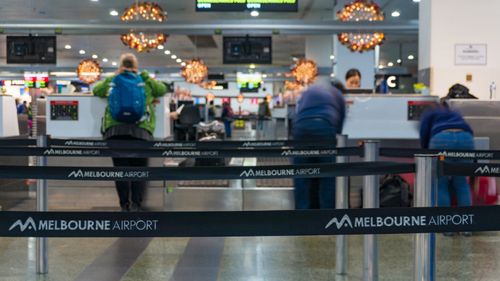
[
  {"x": 22, "y": 108},
  {"x": 227, "y": 116},
  {"x": 353, "y": 79},
  {"x": 320, "y": 116},
  {"x": 125, "y": 121},
  {"x": 443, "y": 128},
  {"x": 263, "y": 114}
]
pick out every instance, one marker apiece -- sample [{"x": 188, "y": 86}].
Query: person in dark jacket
[
  {"x": 442, "y": 128},
  {"x": 320, "y": 116},
  {"x": 227, "y": 116}
]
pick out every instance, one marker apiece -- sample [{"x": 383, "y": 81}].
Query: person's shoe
[
  {"x": 125, "y": 208},
  {"x": 449, "y": 234},
  {"x": 466, "y": 234},
  {"x": 136, "y": 208}
]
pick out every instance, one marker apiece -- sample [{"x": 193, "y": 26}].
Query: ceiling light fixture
[
  {"x": 390, "y": 64},
  {"x": 94, "y": 56},
  {"x": 82, "y": 52},
  {"x": 174, "y": 57},
  {"x": 396, "y": 14},
  {"x": 104, "y": 60},
  {"x": 252, "y": 66},
  {"x": 399, "y": 61},
  {"x": 161, "y": 47},
  {"x": 361, "y": 10},
  {"x": 254, "y": 13},
  {"x": 195, "y": 71},
  {"x": 183, "y": 64},
  {"x": 114, "y": 63},
  {"x": 416, "y": 1},
  {"x": 411, "y": 57},
  {"x": 89, "y": 71},
  {"x": 144, "y": 12},
  {"x": 305, "y": 72},
  {"x": 113, "y": 13},
  {"x": 332, "y": 57},
  {"x": 178, "y": 60},
  {"x": 167, "y": 52},
  {"x": 67, "y": 47}
]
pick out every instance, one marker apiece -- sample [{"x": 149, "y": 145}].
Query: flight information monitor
[{"x": 244, "y": 5}]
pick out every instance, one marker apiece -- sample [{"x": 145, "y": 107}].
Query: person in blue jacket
[
  {"x": 320, "y": 116},
  {"x": 442, "y": 128}
]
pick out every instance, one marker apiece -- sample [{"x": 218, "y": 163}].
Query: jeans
[
  {"x": 314, "y": 193},
  {"x": 455, "y": 141},
  {"x": 227, "y": 127}
]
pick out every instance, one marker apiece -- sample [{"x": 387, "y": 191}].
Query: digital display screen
[
  {"x": 64, "y": 110},
  {"x": 36, "y": 80},
  {"x": 417, "y": 108},
  {"x": 249, "y": 82},
  {"x": 244, "y": 5},
  {"x": 247, "y": 49}
]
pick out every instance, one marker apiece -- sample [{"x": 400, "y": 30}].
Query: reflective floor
[{"x": 232, "y": 259}]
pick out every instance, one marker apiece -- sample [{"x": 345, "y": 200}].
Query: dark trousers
[
  {"x": 124, "y": 187},
  {"x": 314, "y": 193}
]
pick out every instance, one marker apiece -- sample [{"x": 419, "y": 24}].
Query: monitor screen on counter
[{"x": 244, "y": 5}]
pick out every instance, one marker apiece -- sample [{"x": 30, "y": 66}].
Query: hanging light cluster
[
  {"x": 195, "y": 71},
  {"x": 361, "y": 10},
  {"x": 305, "y": 72},
  {"x": 141, "y": 41},
  {"x": 89, "y": 71},
  {"x": 145, "y": 11}
]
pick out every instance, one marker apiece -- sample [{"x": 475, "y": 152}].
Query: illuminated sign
[
  {"x": 249, "y": 82},
  {"x": 36, "y": 80},
  {"x": 243, "y": 5}
]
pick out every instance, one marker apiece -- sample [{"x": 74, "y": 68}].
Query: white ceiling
[{"x": 109, "y": 46}]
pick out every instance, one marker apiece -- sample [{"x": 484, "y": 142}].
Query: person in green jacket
[{"x": 142, "y": 130}]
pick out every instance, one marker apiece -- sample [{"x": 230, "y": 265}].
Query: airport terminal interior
[{"x": 230, "y": 78}]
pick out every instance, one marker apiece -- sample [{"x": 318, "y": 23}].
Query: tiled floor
[{"x": 261, "y": 258}]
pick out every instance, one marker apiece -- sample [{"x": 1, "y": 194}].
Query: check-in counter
[
  {"x": 9, "y": 126},
  {"x": 81, "y": 116},
  {"x": 385, "y": 117},
  {"x": 483, "y": 116}
]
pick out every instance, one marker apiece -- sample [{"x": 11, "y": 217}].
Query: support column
[{"x": 459, "y": 51}]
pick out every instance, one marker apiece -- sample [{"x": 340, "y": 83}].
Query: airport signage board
[
  {"x": 471, "y": 54},
  {"x": 244, "y": 5}
]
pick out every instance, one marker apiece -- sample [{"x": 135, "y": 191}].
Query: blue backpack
[{"x": 127, "y": 98}]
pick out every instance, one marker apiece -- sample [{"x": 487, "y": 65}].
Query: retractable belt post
[
  {"x": 425, "y": 196},
  {"x": 342, "y": 202},
  {"x": 371, "y": 194},
  {"x": 42, "y": 194}
]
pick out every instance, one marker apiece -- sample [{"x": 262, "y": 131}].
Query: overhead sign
[
  {"x": 471, "y": 54},
  {"x": 243, "y": 5},
  {"x": 393, "y": 82}
]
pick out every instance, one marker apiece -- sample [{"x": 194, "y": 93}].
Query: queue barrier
[
  {"x": 179, "y": 153},
  {"x": 423, "y": 222},
  {"x": 248, "y": 223},
  {"x": 12, "y": 142},
  {"x": 204, "y": 173},
  {"x": 459, "y": 154}
]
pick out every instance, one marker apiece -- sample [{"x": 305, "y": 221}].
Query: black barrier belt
[
  {"x": 207, "y": 144},
  {"x": 17, "y": 142},
  {"x": 179, "y": 153},
  {"x": 204, "y": 173},
  {"x": 470, "y": 169},
  {"x": 464, "y": 154},
  {"x": 249, "y": 223}
]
